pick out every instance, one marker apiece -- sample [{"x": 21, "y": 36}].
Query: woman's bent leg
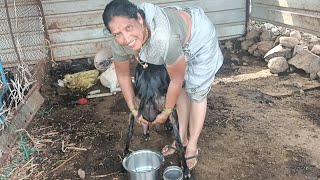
[{"x": 183, "y": 110}]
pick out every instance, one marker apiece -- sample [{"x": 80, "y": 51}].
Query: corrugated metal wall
[
  {"x": 303, "y": 15},
  {"x": 75, "y": 27}
]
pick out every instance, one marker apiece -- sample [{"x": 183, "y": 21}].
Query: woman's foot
[
  {"x": 192, "y": 158},
  {"x": 168, "y": 150}
]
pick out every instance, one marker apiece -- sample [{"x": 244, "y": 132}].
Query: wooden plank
[{"x": 21, "y": 120}]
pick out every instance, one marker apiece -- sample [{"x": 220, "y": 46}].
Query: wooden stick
[
  {"x": 99, "y": 95},
  {"x": 106, "y": 175},
  {"x": 75, "y": 148},
  {"x": 64, "y": 162}
]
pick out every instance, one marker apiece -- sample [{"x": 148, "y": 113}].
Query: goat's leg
[
  {"x": 179, "y": 146},
  {"x": 129, "y": 136},
  {"x": 146, "y": 133}
]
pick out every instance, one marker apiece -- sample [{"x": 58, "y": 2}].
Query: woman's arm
[
  {"x": 176, "y": 72},
  {"x": 123, "y": 74}
]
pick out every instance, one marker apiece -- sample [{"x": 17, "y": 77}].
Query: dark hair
[{"x": 120, "y": 8}]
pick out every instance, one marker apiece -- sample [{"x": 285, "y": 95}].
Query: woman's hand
[
  {"x": 161, "y": 118},
  {"x": 142, "y": 121},
  {"x": 139, "y": 119}
]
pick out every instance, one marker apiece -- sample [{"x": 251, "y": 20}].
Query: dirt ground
[{"x": 258, "y": 126}]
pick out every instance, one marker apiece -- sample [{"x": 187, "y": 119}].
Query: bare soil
[{"x": 258, "y": 126}]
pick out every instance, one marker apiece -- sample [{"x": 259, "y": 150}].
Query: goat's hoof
[
  {"x": 187, "y": 175},
  {"x": 126, "y": 152},
  {"x": 145, "y": 137}
]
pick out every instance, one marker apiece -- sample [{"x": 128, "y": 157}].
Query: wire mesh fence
[
  {"x": 22, "y": 47},
  {"x": 21, "y": 32}
]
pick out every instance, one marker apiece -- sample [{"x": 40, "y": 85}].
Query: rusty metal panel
[
  {"x": 75, "y": 27},
  {"x": 303, "y": 15}
]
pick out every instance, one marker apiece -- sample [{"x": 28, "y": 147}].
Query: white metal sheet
[
  {"x": 303, "y": 15},
  {"x": 75, "y": 27}
]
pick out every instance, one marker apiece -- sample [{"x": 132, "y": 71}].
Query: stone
[
  {"x": 292, "y": 68},
  {"x": 228, "y": 44},
  {"x": 256, "y": 53},
  {"x": 285, "y": 32},
  {"x": 313, "y": 76},
  {"x": 253, "y": 34},
  {"x": 277, "y": 52},
  {"x": 306, "y": 61},
  {"x": 81, "y": 173},
  {"x": 289, "y": 42},
  {"x": 316, "y": 49},
  {"x": 252, "y": 48},
  {"x": 264, "y": 47},
  {"x": 277, "y": 41},
  {"x": 275, "y": 31},
  {"x": 265, "y": 36},
  {"x": 313, "y": 41},
  {"x": 295, "y": 34},
  {"x": 269, "y": 25},
  {"x": 278, "y": 65},
  {"x": 297, "y": 49},
  {"x": 247, "y": 43},
  {"x": 234, "y": 58}
]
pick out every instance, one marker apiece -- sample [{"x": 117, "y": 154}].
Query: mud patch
[
  {"x": 313, "y": 112},
  {"x": 256, "y": 96},
  {"x": 300, "y": 165}
]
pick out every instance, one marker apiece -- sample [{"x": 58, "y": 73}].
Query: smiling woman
[
  {"x": 129, "y": 32},
  {"x": 184, "y": 41}
]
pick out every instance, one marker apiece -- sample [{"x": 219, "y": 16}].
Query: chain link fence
[{"x": 21, "y": 32}]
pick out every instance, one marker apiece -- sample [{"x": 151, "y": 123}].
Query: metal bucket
[
  {"x": 143, "y": 165},
  {"x": 173, "y": 173}
]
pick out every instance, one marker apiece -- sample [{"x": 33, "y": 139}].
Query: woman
[{"x": 184, "y": 40}]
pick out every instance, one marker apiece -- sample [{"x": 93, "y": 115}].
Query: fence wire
[{"x": 21, "y": 32}]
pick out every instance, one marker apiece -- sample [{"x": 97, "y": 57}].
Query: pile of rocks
[{"x": 285, "y": 50}]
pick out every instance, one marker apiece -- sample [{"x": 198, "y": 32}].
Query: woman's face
[{"x": 128, "y": 32}]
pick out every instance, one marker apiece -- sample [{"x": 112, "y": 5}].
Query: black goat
[{"x": 151, "y": 85}]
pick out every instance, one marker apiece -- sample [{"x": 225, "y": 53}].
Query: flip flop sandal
[
  {"x": 165, "y": 151},
  {"x": 195, "y": 157}
]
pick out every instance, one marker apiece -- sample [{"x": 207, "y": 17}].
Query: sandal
[
  {"x": 195, "y": 158},
  {"x": 168, "y": 150}
]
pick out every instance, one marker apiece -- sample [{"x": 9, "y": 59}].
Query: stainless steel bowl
[
  {"x": 143, "y": 165},
  {"x": 173, "y": 173}
]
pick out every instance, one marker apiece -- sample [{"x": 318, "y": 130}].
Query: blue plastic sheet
[{"x": 3, "y": 89}]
